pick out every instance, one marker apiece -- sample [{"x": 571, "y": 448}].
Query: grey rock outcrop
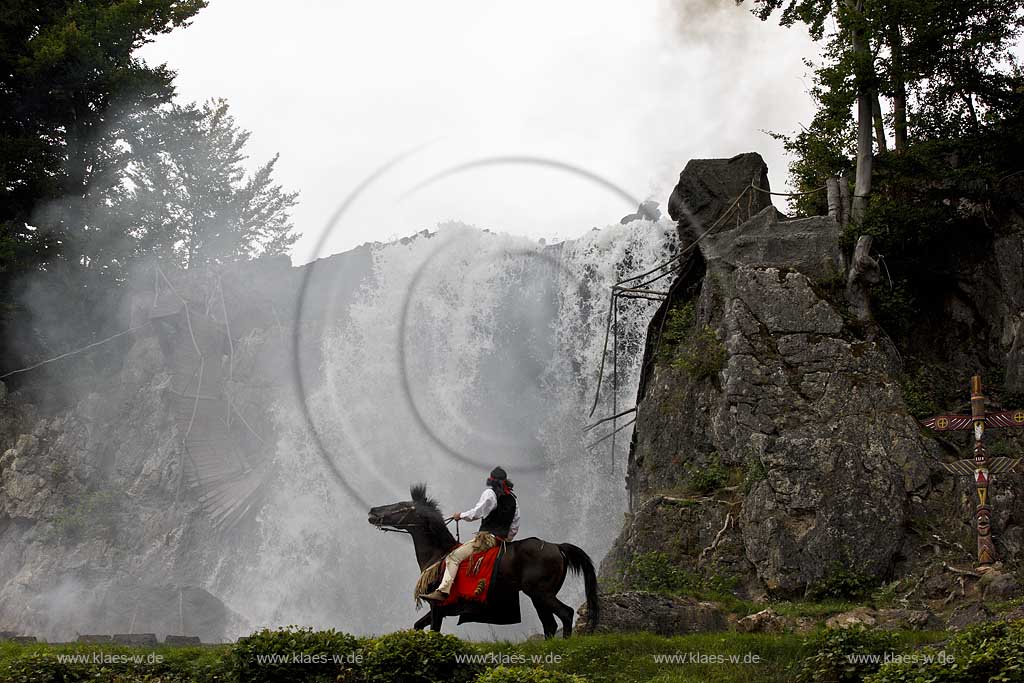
[
  {"x": 886, "y": 619},
  {"x": 665, "y": 615},
  {"x": 773, "y": 447},
  {"x": 117, "y": 501}
]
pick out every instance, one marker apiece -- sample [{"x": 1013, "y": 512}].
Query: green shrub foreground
[{"x": 989, "y": 652}]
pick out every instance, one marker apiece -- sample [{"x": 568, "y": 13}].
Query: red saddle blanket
[{"x": 474, "y": 577}]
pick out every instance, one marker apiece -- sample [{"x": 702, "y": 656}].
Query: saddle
[
  {"x": 473, "y": 580},
  {"x": 477, "y": 595}
]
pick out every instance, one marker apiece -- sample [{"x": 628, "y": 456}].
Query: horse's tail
[{"x": 580, "y": 563}]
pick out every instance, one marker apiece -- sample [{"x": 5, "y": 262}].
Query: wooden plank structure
[
  {"x": 981, "y": 467},
  {"x": 227, "y": 481}
]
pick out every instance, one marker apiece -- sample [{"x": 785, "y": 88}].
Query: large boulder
[
  {"x": 807, "y": 245},
  {"x": 708, "y": 187},
  {"x": 759, "y": 377}
]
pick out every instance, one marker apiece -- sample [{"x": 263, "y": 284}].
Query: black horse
[{"x": 531, "y": 565}]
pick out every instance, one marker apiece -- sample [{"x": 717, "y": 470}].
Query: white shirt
[{"x": 488, "y": 501}]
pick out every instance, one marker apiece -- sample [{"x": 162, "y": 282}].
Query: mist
[
  {"x": 628, "y": 91},
  {"x": 206, "y": 451}
]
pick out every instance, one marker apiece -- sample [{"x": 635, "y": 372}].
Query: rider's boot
[{"x": 441, "y": 594}]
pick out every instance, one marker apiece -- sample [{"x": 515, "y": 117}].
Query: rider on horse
[{"x": 500, "y": 512}]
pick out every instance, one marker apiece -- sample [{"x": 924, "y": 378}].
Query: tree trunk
[
  {"x": 876, "y": 114},
  {"x": 844, "y": 201},
  {"x": 864, "y": 272},
  {"x": 968, "y": 98},
  {"x": 835, "y": 208},
  {"x": 899, "y": 90},
  {"x": 865, "y": 152}
]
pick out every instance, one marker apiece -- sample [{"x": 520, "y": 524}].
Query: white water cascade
[{"x": 502, "y": 346}]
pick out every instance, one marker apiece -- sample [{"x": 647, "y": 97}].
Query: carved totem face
[
  {"x": 986, "y": 548},
  {"x": 984, "y": 523}
]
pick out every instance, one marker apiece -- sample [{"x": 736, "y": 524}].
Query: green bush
[
  {"x": 702, "y": 355},
  {"x": 839, "y": 655},
  {"x": 709, "y": 478},
  {"x": 678, "y": 324},
  {"x": 43, "y": 667},
  {"x": 754, "y": 473},
  {"x": 419, "y": 657},
  {"x": 39, "y": 664},
  {"x": 301, "y": 654},
  {"x": 504, "y": 674},
  {"x": 983, "y": 652},
  {"x": 656, "y": 573},
  {"x": 694, "y": 349},
  {"x": 842, "y": 584},
  {"x": 919, "y": 394},
  {"x": 94, "y": 515}
]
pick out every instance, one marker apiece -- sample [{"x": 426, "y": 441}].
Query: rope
[
  {"x": 789, "y": 194},
  {"x": 617, "y": 286},
  {"x": 199, "y": 385},
  {"x": 603, "y": 420},
  {"x": 76, "y": 351},
  {"x": 609, "y": 436},
  {"x": 887, "y": 274},
  {"x": 604, "y": 353},
  {"x": 241, "y": 417},
  {"x": 615, "y": 379}
]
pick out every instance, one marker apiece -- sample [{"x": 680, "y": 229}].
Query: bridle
[{"x": 401, "y": 525}]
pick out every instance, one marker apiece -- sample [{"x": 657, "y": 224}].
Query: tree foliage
[
  {"x": 946, "y": 70},
  {"x": 98, "y": 169},
  {"x": 68, "y": 74},
  {"x": 190, "y": 200},
  {"x": 951, "y": 101},
  {"x": 67, "y": 71}
]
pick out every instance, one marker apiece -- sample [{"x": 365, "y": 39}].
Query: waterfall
[{"x": 500, "y": 339}]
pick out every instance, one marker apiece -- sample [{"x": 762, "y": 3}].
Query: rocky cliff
[
  {"x": 126, "y": 479},
  {"x": 774, "y": 453}
]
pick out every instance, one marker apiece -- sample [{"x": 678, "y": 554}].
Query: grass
[
  {"x": 816, "y": 610},
  {"x": 623, "y": 658},
  {"x": 612, "y": 658},
  {"x": 38, "y": 662}
]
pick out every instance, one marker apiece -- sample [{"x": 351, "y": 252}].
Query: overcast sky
[{"x": 626, "y": 90}]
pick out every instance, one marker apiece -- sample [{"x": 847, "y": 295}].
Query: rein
[
  {"x": 402, "y": 526},
  {"x": 459, "y": 540},
  {"x": 396, "y": 527}
]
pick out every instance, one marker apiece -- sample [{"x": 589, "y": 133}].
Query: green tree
[
  {"x": 190, "y": 199},
  {"x": 946, "y": 67},
  {"x": 67, "y": 72},
  {"x": 852, "y": 70},
  {"x": 67, "y": 78}
]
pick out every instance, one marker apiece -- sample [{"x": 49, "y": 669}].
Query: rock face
[
  {"x": 661, "y": 614},
  {"x": 117, "y": 500},
  {"x": 887, "y": 619},
  {"x": 773, "y": 446}
]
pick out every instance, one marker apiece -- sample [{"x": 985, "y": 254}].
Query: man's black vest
[{"x": 499, "y": 520}]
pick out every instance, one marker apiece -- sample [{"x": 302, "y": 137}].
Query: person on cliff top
[{"x": 500, "y": 513}]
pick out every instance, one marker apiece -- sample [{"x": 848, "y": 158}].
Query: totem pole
[{"x": 981, "y": 467}]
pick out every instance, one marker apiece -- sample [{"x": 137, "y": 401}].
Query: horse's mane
[{"x": 430, "y": 512}]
